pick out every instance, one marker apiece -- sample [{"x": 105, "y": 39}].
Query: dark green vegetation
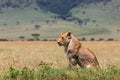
[
  {"x": 62, "y": 7},
  {"x": 46, "y": 72},
  {"x": 85, "y": 18}
]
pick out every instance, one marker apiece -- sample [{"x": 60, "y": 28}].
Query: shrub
[
  {"x": 45, "y": 40},
  {"x": 83, "y": 12},
  {"x": 17, "y": 22},
  {"x": 100, "y": 39},
  {"x": 22, "y": 38},
  {"x": 45, "y": 71},
  {"x": 37, "y": 26},
  {"x": 52, "y": 40},
  {"x": 30, "y": 40},
  {"x": 3, "y": 39},
  {"x": 26, "y": 74},
  {"x": 36, "y": 36},
  {"x": 83, "y": 39},
  {"x": 118, "y": 30},
  {"x": 94, "y": 21},
  {"x": 110, "y": 39},
  {"x": 92, "y": 39}
]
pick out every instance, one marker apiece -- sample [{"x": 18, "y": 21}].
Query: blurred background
[{"x": 29, "y": 20}]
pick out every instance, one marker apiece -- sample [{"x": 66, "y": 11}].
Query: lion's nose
[{"x": 58, "y": 43}]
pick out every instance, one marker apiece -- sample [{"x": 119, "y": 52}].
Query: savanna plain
[{"x": 45, "y": 60}]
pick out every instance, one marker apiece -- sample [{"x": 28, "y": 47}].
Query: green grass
[
  {"x": 27, "y": 16},
  {"x": 94, "y": 31},
  {"x": 50, "y": 32},
  {"x": 103, "y": 15},
  {"x": 46, "y": 72}
]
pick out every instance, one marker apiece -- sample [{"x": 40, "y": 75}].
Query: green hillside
[
  {"x": 27, "y": 16},
  {"x": 103, "y": 15},
  {"x": 100, "y": 20}
]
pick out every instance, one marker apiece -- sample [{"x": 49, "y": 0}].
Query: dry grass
[{"x": 30, "y": 54}]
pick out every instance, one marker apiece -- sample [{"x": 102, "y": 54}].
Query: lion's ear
[
  {"x": 69, "y": 34},
  {"x": 61, "y": 33}
]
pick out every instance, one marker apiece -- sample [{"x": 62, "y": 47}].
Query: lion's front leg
[{"x": 72, "y": 60}]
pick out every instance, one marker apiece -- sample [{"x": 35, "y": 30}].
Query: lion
[{"x": 76, "y": 53}]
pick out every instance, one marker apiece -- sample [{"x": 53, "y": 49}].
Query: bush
[
  {"x": 110, "y": 39},
  {"x": 92, "y": 39},
  {"x": 36, "y": 36},
  {"x": 53, "y": 40},
  {"x": 22, "y": 38},
  {"x": 30, "y": 40},
  {"x": 37, "y": 26},
  {"x": 100, "y": 39},
  {"x": 3, "y": 39},
  {"x": 94, "y": 21},
  {"x": 83, "y": 12},
  {"x": 83, "y": 39},
  {"x": 45, "y": 71},
  {"x": 45, "y": 40}
]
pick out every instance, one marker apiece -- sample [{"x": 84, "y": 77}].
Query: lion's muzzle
[{"x": 59, "y": 44}]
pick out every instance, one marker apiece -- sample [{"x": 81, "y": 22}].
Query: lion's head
[{"x": 64, "y": 39}]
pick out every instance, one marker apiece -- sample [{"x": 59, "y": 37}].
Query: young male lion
[{"x": 76, "y": 53}]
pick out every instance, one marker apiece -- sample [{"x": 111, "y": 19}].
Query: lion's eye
[{"x": 62, "y": 37}]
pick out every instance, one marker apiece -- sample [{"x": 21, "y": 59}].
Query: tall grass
[{"x": 22, "y": 61}]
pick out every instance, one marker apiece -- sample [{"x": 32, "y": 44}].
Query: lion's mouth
[{"x": 60, "y": 44}]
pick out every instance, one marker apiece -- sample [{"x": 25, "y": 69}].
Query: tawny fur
[{"x": 76, "y": 53}]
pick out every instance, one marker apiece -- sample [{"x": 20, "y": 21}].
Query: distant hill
[
  {"x": 60, "y": 7},
  {"x": 85, "y": 18}
]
